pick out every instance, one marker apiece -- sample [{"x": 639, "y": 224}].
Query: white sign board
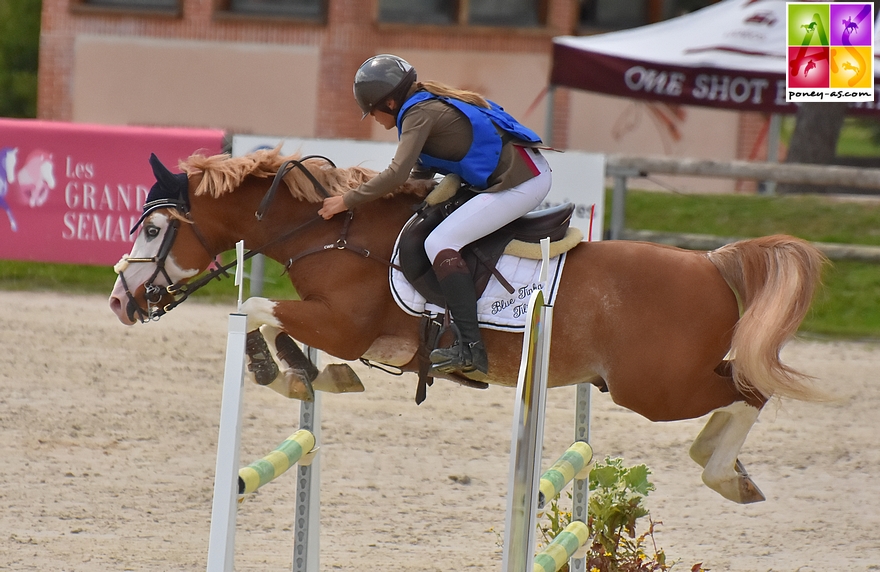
[{"x": 578, "y": 177}]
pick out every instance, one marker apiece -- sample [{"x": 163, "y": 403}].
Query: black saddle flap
[{"x": 413, "y": 260}]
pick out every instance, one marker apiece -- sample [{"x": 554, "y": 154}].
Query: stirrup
[{"x": 460, "y": 358}]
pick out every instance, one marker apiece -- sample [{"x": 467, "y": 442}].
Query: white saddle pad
[{"x": 497, "y": 309}]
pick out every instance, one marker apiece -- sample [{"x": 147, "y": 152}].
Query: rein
[
  {"x": 285, "y": 168},
  {"x": 182, "y": 291},
  {"x": 342, "y": 244}
]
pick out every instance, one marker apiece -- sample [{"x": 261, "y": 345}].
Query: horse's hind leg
[
  {"x": 707, "y": 441},
  {"x": 716, "y": 449}
]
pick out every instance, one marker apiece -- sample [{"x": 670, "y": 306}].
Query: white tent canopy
[{"x": 728, "y": 55}]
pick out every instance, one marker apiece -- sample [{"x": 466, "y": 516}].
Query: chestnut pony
[{"x": 670, "y": 334}]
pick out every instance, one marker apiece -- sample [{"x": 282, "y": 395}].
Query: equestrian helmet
[{"x": 382, "y": 77}]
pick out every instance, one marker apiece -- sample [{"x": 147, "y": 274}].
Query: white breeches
[{"x": 487, "y": 212}]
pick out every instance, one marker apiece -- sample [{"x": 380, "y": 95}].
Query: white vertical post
[
  {"x": 307, "y": 516},
  {"x": 580, "y": 488},
  {"x": 221, "y": 544},
  {"x": 239, "y": 270},
  {"x": 527, "y": 439}
]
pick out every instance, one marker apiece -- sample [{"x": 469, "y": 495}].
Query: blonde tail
[{"x": 774, "y": 279}]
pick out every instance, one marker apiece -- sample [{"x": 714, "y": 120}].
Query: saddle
[{"x": 481, "y": 256}]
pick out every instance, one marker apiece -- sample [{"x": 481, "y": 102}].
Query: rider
[{"x": 447, "y": 130}]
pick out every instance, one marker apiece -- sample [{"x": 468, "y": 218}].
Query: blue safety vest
[{"x": 482, "y": 158}]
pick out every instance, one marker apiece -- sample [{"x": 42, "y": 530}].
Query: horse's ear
[
  {"x": 169, "y": 191},
  {"x": 161, "y": 172}
]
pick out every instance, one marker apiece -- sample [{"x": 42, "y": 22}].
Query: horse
[
  {"x": 849, "y": 26},
  {"x": 36, "y": 178},
  {"x": 668, "y": 333}
]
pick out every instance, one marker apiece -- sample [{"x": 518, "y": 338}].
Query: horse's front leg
[
  {"x": 293, "y": 374},
  {"x": 279, "y": 364}
]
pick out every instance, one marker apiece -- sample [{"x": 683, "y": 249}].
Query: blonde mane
[{"x": 222, "y": 174}]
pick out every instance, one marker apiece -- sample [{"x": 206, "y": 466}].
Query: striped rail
[
  {"x": 297, "y": 448},
  {"x": 570, "y": 465},
  {"x": 563, "y": 547}
]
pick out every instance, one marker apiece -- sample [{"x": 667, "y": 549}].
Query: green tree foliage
[{"x": 19, "y": 57}]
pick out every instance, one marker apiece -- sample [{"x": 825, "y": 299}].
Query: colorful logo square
[
  {"x": 808, "y": 67},
  {"x": 851, "y": 24},
  {"x": 851, "y": 66},
  {"x": 830, "y": 52},
  {"x": 808, "y": 24}
]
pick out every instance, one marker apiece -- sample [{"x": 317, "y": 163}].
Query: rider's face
[{"x": 386, "y": 120}]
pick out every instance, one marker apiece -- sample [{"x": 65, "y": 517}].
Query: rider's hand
[{"x": 332, "y": 206}]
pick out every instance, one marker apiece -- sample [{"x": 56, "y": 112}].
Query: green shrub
[{"x": 615, "y": 507}]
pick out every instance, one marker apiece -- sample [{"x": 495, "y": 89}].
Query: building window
[
  {"x": 154, "y": 5},
  {"x": 304, "y": 9},
  {"x": 417, "y": 11},
  {"x": 508, "y": 13},
  {"x": 620, "y": 14}
]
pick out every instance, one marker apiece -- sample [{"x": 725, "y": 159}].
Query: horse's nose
[{"x": 118, "y": 307}]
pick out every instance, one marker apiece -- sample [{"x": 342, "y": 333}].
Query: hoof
[
  {"x": 740, "y": 488},
  {"x": 749, "y": 491},
  {"x": 338, "y": 378},
  {"x": 293, "y": 387}
]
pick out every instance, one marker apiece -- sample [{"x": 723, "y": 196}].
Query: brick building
[{"x": 284, "y": 67}]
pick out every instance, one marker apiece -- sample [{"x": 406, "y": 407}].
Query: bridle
[
  {"x": 182, "y": 290},
  {"x": 152, "y": 292}
]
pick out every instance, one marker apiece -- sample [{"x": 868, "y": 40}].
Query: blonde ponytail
[{"x": 464, "y": 95}]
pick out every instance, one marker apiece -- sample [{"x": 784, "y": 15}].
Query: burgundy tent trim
[{"x": 737, "y": 90}]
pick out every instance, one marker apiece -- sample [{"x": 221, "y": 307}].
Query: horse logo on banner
[
  {"x": 36, "y": 178},
  {"x": 8, "y": 156}
]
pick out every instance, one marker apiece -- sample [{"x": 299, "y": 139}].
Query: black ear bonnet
[{"x": 170, "y": 191}]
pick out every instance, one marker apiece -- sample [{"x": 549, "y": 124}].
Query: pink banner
[{"x": 71, "y": 192}]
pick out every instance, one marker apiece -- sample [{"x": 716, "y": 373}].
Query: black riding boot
[{"x": 467, "y": 354}]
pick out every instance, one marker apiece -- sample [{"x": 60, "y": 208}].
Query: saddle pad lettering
[{"x": 497, "y": 309}]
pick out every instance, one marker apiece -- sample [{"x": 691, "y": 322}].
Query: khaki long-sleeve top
[{"x": 438, "y": 129}]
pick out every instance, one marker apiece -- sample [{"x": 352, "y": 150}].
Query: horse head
[
  {"x": 191, "y": 217},
  {"x": 160, "y": 261}
]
